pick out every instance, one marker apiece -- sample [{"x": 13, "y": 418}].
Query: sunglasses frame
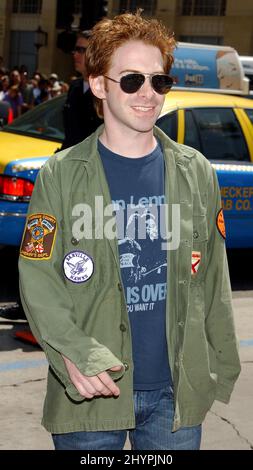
[
  {"x": 142, "y": 75},
  {"x": 79, "y": 50}
]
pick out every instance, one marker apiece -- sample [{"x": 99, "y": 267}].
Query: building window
[
  {"x": 203, "y": 7},
  {"x": 216, "y": 40},
  {"x": 23, "y": 50},
  {"x": 148, "y": 6},
  {"x": 27, "y": 6}
]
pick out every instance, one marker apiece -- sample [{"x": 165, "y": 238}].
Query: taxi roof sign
[{"x": 206, "y": 67}]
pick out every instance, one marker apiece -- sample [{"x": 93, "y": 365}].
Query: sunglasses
[
  {"x": 79, "y": 49},
  {"x": 132, "y": 82}
]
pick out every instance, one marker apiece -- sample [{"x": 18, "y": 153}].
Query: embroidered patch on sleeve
[
  {"x": 220, "y": 223},
  {"x": 39, "y": 237}
]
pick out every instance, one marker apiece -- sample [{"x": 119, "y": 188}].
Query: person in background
[
  {"x": 138, "y": 338},
  {"x": 26, "y": 89},
  {"x": 43, "y": 94},
  {"x": 14, "y": 97},
  {"x": 53, "y": 78},
  {"x": 35, "y": 81},
  {"x": 5, "y": 83},
  {"x": 55, "y": 90},
  {"x": 79, "y": 115},
  {"x": 15, "y": 78},
  {"x": 64, "y": 87}
]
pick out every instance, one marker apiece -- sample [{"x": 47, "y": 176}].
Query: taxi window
[
  {"x": 216, "y": 133},
  {"x": 44, "y": 121},
  {"x": 191, "y": 131},
  {"x": 168, "y": 124},
  {"x": 249, "y": 113}
]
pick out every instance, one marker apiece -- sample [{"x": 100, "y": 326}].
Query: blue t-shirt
[{"x": 137, "y": 191}]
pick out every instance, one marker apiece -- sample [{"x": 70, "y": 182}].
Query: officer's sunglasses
[
  {"x": 132, "y": 82},
  {"x": 79, "y": 49}
]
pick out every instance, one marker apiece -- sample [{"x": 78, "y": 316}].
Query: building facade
[
  {"x": 20, "y": 43},
  {"x": 227, "y": 22}
]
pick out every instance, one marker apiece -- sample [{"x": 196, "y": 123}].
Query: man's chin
[{"x": 146, "y": 129}]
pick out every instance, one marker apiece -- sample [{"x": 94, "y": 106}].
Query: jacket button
[
  {"x": 120, "y": 287},
  {"x": 195, "y": 234},
  {"x": 181, "y": 323},
  {"x": 126, "y": 365},
  {"x": 74, "y": 241},
  {"x": 122, "y": 327}
]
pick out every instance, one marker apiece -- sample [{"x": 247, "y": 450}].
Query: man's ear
[{"x": 97, "y": 86}]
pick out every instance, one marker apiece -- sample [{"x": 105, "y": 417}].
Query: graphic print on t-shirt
[
  {"x": 143, "y": 263},
  {"x": 135, "y": 256}
]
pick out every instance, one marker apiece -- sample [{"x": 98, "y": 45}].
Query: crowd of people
[{"x": 23, "y": 93}]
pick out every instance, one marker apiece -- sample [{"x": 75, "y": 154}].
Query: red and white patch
[
  {"x": 29, "y": 247},
  {"x": 39, "y": 248},
  {"x": 196, "y": 258}
]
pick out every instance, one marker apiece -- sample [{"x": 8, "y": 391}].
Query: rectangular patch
[
  {"x": 196, "y": 258},
  {"x": 39, "y": 236}
]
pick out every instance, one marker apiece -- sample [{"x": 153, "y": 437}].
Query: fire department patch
[
  {"x": 220, "y": 223},
  {"x": 39, "y": 236},
  {"x": 196, "y": 258}
]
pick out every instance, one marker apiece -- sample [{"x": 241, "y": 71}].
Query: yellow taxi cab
[
  {"x": 219, "y": 125},
  {"x": 25, "y": 145}
]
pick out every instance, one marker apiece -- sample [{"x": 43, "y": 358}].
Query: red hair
[{"x": 109, "y": 34}]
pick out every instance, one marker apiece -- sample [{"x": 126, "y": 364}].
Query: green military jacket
[{"x": 88, "y": 321}]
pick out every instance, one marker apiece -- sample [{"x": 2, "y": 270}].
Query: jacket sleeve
[
  {"x": 220, "y": 328},
  {"x": 47, "y": 303}
]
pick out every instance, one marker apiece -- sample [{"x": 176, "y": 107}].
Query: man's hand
[{"x": 92, "y": 386}]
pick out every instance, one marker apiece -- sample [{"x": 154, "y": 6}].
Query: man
[
  {"x": 147, "y": 354},
  {"x": 79, "y": 115}
]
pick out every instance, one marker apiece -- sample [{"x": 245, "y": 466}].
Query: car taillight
[
  {"x": 14, "y": 188},
  {"x": 10, "y": 116}
]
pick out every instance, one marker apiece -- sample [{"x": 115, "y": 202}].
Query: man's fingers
[
  {"x": 109, "y": 383},
  {"x": 90, "y": 386},
  {"x": 85, "y": 388},
  {"x": 115, "y": 368},
  {"x": 99, "y": 385}
]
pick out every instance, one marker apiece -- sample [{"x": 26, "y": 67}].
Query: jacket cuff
[{"x": 224, "y": 391}]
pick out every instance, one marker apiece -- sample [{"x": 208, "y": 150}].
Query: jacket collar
[{"x": 87, "y": 149}]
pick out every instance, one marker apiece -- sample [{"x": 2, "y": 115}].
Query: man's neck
[{"x": 135, "y": 144}]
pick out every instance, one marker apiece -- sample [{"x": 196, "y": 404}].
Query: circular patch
[
  {"x": 220, "y": 223},
  {"x": 78, "y": 266}
]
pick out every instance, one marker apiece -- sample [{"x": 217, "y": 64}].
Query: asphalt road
[{"x": 23, "y": 369}]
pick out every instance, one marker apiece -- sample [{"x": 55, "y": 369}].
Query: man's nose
[{"x": 146, "y": 89}]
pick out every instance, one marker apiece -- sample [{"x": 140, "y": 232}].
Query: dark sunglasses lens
[
  {"x": 162, "y": 83},
  {"x": 132, "y": 82},
  {"x": 80, "y": 49}
]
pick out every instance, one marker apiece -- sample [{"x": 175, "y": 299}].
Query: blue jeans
[{"x": 154, "y": 410}]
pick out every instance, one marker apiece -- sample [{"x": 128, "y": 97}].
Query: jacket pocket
[{"x": 199, "y": 357}]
